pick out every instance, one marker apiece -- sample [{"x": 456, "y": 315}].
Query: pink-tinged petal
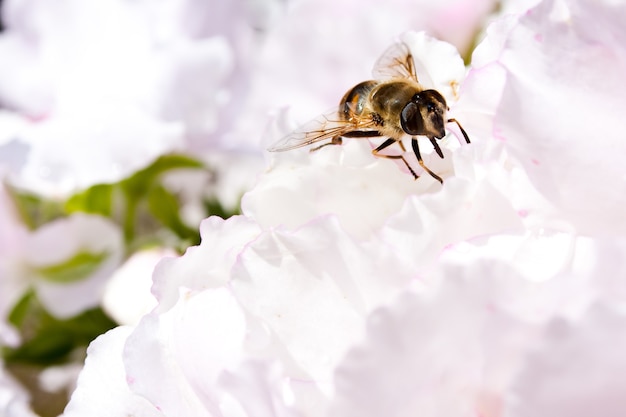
[
  {"x": 577, "y": 370},
  {"x": 427, "y": 225},
  {"x": 479, "y": 97},
  {"x": 303, "y": 288},
  {"x": 492, "y": 45},
  {"x": 602, "y": 258},
  {"x": 445, "y": 351},
  {"x": 103, "y": 386},
  {"x": 207, "y": 265},
  {"x": 310, "y": 289},
  {"x": 473, "y": 340},
  {"x": 562, "y": 105},
  {"x": 569, "y": 273},
  {"x": 252, "y": 390},
  {"x": 186, "y": 349}
]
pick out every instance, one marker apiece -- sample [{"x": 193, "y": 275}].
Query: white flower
[
  {"x": 305, "y": 289},
  {"x": 348, "y": 288},
  {"x": 305, "y": 295}
]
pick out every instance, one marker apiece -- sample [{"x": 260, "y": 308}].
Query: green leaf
[
  {"x": 97, "y": 199},
  {"x": 165, "y": 207},
  {"x": 34, "y": 210},
  {"x": 47, "y": 340},
  {"x": 137, "y": 187},
  {"x": 77, "y": 268},
  {"x": 105, "y": 199},
  {"x": 140, "y": 182}
]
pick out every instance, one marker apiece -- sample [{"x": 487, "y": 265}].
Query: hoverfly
[{"x": 392, "y": 106}]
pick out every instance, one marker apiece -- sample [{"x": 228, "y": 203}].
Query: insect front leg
[
  {"x": 416, "y": 150},
  {"x": 467, "y": 139},
  {"x": 436, "y": 146}
]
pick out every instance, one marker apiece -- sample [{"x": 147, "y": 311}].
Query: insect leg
[
  {"x": 460, "y": 127},
  {"x": 388, "y": 143},
  {"x": 362, "y": 134},
  {"x": 416, "y": 149},
  {"x": 354, "y": 134},
  {"x": 334, "y": 141},
  {"x": 436, "y": 146}
]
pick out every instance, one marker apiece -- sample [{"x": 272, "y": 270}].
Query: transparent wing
[
  {"x": 326, "y": 126},
  {"x": 395, "y": 62}
]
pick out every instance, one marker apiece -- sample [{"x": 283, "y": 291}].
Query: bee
[{"x": 393, "y": 105}]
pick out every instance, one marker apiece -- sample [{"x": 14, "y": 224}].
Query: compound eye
[{"x": 411, "y": 119}]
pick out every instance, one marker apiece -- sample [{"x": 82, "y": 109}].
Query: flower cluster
[{"x": 345, "y": 287}]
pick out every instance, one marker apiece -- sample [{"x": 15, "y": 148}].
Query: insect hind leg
[
  {"x": 337, "y": 140},
  {"x": 334, "y": 141}
]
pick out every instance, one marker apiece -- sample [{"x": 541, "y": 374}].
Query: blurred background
[{"x": 124, "y": 123}]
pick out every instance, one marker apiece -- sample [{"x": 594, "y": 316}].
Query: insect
[{"x": 392, "y": 106}]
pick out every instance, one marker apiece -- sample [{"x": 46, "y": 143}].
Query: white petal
[
  {"x": 186, "y": 350},
  {"x": 337, "y": 179},
  {"x": 579, "y": 369},
  {"x": 435, "y": 353},
  {"x": 438, "y": 63},
  {"x": 207, "y": 265},
  {"x": 562, "y": 105},
  {"x": 103, "y": 384}
]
